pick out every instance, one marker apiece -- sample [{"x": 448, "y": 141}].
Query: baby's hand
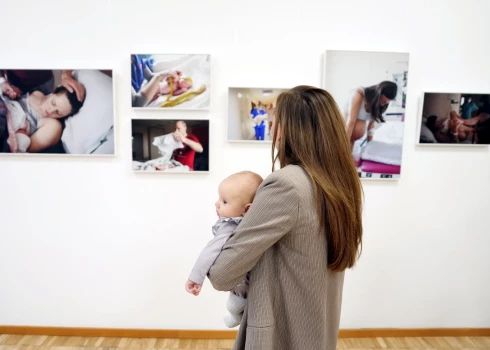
[{"x": 193, "y": 287}]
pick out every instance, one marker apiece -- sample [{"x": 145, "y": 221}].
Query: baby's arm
[{"x": 210, "y": 253}]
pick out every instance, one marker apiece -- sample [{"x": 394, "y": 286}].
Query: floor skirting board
[{"x": 231, "y": 334}]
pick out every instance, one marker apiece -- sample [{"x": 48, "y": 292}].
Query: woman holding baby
[{"x": 300, "y": 234}]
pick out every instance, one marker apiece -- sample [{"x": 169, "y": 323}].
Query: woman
[
  {"x": 41, "y": 125},
  {"x": 302, "y": 231},
  {"x": 366, "y": 107}
]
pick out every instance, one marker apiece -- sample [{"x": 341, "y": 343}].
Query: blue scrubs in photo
[
  {"x": 138, "y": 70},
  {"x": 259, "y": 128}
]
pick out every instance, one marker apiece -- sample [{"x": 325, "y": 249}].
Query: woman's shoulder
[
  {"x": 292, "y": 176},
  {"x": 34, "y": 96}
]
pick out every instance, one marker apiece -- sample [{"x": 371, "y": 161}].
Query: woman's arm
[
  {"x": 272, "y": 215},
  {"x": 370, "y": 130},
  {"x": 354, "y": 107},
  {"x": 47, "y": 135}
]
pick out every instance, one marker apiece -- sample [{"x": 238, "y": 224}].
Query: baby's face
[{"x": 230, "y": 203}]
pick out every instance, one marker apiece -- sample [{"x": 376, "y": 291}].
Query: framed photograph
[
  {"x": 170, "y": 146},
  {"x": 181, "y": 81},
  {"x": 250, "y": 112},
  {"x": 461, "y": 119},
  {"x": 57, "y": 111},
  {"x": 370, "y": 89}
]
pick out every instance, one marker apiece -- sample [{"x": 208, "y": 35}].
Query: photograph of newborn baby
[
  {"x": 57, "y": 112},
  {"x": 180, "y": 146},
  {"x": 170, "y": 81},
  {"x": 250, "y": 112},
  {"x": 455, "y": 118}
]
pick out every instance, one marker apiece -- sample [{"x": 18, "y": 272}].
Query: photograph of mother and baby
[{"x": 56, "y": 111}]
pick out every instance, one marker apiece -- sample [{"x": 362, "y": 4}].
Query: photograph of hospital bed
[
  {"x": 455, "y": 119},
  {"x": 191, "y": 90},
  {"x": 376, "y": 145},
  {"x": 156, "y": 147},
  {"x": 249, "y": 113},
  {"x": 31, "y": 119}
]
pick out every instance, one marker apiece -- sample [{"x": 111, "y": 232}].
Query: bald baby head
[{"x": 236, "y": 193}]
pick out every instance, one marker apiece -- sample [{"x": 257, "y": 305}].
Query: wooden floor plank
[{"x": 36, "y": 342}]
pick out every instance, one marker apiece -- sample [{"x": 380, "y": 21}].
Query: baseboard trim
[{"x": 217, "y": 334}]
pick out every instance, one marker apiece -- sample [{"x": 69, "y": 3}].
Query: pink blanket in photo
[{"x": 379, "y": 168}]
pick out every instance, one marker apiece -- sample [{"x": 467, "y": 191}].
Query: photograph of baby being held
[{"x": 57, "y": 111}]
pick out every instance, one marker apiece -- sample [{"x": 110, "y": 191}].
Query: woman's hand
[
  {"x": 193, "y": 287},
  {"x": 71, "y": 85},
  {"x": 12, "y": 92}
]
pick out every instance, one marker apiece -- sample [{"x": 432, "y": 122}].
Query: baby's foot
[{"x": 230, "y": 322}]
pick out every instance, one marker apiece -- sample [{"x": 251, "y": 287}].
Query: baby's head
[{"x": 236, "y": 194}]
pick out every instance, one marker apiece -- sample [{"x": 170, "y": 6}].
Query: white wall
[{"x": 85, "y": 242}]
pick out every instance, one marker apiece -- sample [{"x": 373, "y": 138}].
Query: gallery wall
[{"x": 86, "y": 242}]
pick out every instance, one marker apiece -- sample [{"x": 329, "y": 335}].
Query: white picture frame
[
  {"x": 155, "y": 150},
  {"x": 240, "y": 118},
  {"x": 436, "y": 105},
  {"x": 195, "y": 68},
  {"x": 78, "y": 138},
  {"x": 344, "y": 72}
]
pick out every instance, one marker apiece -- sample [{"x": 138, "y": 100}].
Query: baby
[
  {"x": 236, "y": 194},
  {"x": 179, "y": 86}
]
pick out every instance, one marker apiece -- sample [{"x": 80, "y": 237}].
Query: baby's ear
[{"x": 247, "y": 207}]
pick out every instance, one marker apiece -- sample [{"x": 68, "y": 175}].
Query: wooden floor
[{"x": 36, "y": 342}]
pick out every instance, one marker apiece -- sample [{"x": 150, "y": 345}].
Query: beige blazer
[{"x": 294, "y": 301}]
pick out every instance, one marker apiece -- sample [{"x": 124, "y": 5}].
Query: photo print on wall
[
  {"x": 66, "y": 112},
  {"x": 171, "y": 81},
  {"x": 178, "y": 145},
  {"x": 370, "y": 89},
  {"x": 455, "y": 119},
  {"x": 250, "y": 112}
]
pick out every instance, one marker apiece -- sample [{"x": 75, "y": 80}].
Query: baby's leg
[{"x": 236, "y": 306}]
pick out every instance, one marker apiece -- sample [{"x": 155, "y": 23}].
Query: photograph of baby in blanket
[
  {"x": 455, "y": 118},
  {"x": 371, "y": 91},
  {"x": 250, "y": 112},
  {"x": 170, "y": 145},
  {"x": 170, "y": 81},
  {"x": 56, "y": 111},
  {"x": 235, "y": 196}
]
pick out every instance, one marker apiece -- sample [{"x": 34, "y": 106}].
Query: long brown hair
[
  {"x": 313, "y": 136},
  {"x": 374, "y": 93}
]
